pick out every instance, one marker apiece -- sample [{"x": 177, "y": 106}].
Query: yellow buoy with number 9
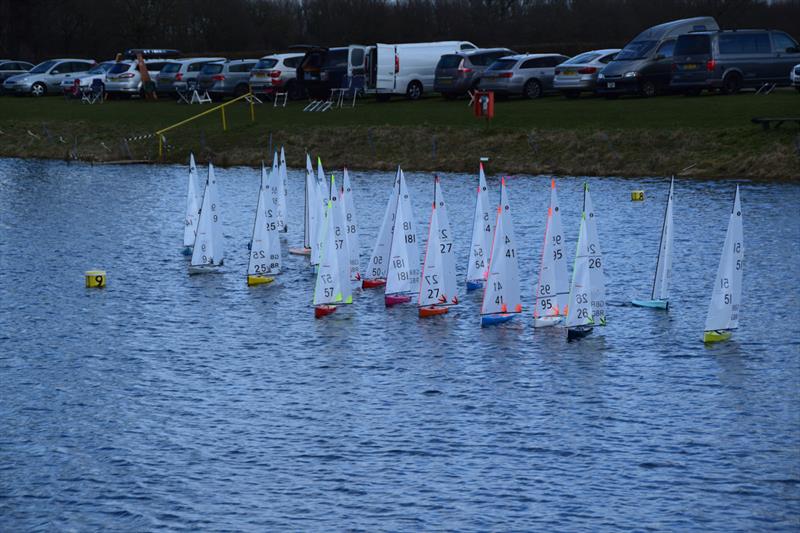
[
  {"x": 95, "y": 279},
  {"x": 637, "y": 196}
]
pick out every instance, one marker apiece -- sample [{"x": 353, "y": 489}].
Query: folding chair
[
  {"x": 94, "y": 93},
  {"x": 183, "y": 95},
  {"x": 280, "y": 95}
]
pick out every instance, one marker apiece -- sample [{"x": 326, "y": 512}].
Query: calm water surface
[{"x": 196, "y": 403}]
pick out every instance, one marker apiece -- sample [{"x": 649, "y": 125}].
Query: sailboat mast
[{"x": 661, "y": 240}]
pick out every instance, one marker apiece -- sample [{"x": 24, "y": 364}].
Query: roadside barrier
[{"x": 220, "y": 108}]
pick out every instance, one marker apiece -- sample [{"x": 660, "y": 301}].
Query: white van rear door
[{"x": 385, "y": 70}]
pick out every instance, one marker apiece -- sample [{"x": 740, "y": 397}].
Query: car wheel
[
  {"x": 39, "y": 89},
  {"x": 414, "y": 90},
  {"x": 732, "y": 83},
  {"x": 647, "y": 89},
  {"x": 572, "y": 94},
  {"x": 532, "y": 89}
]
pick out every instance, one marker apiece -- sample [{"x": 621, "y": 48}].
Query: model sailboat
[
  {"x": 309, "y": 211},
  {"x": 437, "y": 290},
  {"x": 208, "y": 252},
  {"x": 351, "y": 227},
  {"x": 265, "y": 246},
  {"x": 379, "y": 260},
  {"x": 552, "y": 289},
  {"x": 193, "y": 200},
  {"x": 332, "y": 287},
  {"x": 284, "y": 191},
  {"x": 580, "y": 314},
  {"x": 596, "y": 273},
  {"x": 723, "y": 312},
  {"x": 501, "y": 296},
  {"x": 482, "y": 231},
  {"x": 659, "y": 295},
  {"x": 402, "y": 277}
]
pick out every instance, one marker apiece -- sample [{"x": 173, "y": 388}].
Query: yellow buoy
[
  {"x": 259, "y": 280},
  {"x": 637, "y": 196},
  {"x": 95, "y": 279}
]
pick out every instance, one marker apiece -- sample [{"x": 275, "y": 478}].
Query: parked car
[
  {"x": 46, "y": 77},
  {"x": 460, "y": 72},
  {"x": 732, "y": 59},
  {"x": 9, "y": 67},
  {"x": 795, "y": 75},
  {"x": 579, "y": 73},
  {"x": 528, "y": 75},
  {"x": 405, "y": 69},
  {"x": 84, "y": 81},
  {"x": 644, "y": 66},
  {"x": 226, "y": 78},
  {"x": 125, "y": 79},
  {"x": 323, "y": 69},
  {"x": 181, "y": 74},
  {"x": 277, "y": 72}
]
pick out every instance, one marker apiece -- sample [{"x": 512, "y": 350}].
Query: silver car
[
  {"x": 277, "y": 72},
  {"x": 124, "y": 78},
  {"x": 10, "y": 68},
  {"x": 45, "y": 78},
  {"x": 182, "y": 74},
  {"x": 83, "y": 81},
  {"x": 580, "y": 73},
  {"x": 226, "y": 78},
  {"x": 528, "y": 75}
]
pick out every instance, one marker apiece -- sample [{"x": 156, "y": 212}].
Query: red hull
[
  {"x": 392, "y": 299},
  {"x": 324, "y": 310},
  {"x": 425, "y": 312},
  {"x": 372, "y": 283}
]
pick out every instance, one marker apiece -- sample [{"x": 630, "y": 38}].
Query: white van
[{"x": 405, "y": 68}]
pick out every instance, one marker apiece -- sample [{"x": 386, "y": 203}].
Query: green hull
[
  {"x": 652, "y": 304},
  {"x": 716, "y": 336}
]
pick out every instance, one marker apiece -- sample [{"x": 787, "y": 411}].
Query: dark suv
[
  {"x": 460, "y": 72},
  {"x": 323, "y": 69},
  {"x": 732, "y": 59}
]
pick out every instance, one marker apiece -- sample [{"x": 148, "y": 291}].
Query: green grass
[{"x": 629, "y": 136}]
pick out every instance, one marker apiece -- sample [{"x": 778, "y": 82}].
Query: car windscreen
[
  {"x": 689, "y": 45},
  {"x": 211, "y": 68},
  {"x": 503, "y": 64},
  {"x": 41, "y": 68},
  {"x": 265, "y": 64},
  {"x": 636, "y": 50},
  {"x": 582, "y": 59},
  {"x": 335, "y": 59},
  {"x": 449, "y": 61},
  {"x": 102, "y": 68},
  {"x": 169, "y": 68}
]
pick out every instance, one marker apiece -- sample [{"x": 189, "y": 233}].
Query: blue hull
[
  {"x": 493, "y": 320},
  {"x": 474, "y": 285},
  {"x": 652, "y": 304}
]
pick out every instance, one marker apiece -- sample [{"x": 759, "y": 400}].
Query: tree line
[{"x": 39, "y": 29}]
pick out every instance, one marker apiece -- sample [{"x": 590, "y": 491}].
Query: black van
[
  {"x": 644, "y": 66},
  {"x": 732, "y": 59},
  {"x": 323, "y": 69}
]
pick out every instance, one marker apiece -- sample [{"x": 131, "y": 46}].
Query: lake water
[{"x": 173, "y": 402}]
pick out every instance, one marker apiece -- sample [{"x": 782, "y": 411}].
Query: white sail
[
  {"x": 208, "y": 245},
  {"x": 333, "y": 285},
  {"x": 580, "y": 302},
  {"x": 379, "y": 260},
  {"x": 596, "y": 263},
  {"x": 723, "y": 312},
  {"x": 265, "y": 247},
  {"x": 482, "y": 231},
  {"x": 276, "y": 192},
  {"x": 284, "y": 191},
  {"x": 404, "y": 261},
  {"x": 193, "y": 200},
  {"x": 664, "y": 263},
  {"x": 310, "y": 215},
  {"x": 321, "y": 195},
  {"x": 438, "y": 279},
  {"x": 552, "y": 289},
  {"x": 501, "y": 294},
  {"x": 351, "y": 225}
]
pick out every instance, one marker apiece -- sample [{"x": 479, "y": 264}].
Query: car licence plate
[
  {"x": 690, "y": 66},
  {"x": 611, "y": 85},
  {"x": 261, "y": 74},
  {"x": 568, "y": 73}
]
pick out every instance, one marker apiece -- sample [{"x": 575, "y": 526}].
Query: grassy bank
[{"x": 588, "y": 136}]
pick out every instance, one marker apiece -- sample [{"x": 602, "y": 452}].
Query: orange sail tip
[
  {"x": 549, "y": 211},
  {"x": 481, "y": 164},
  {"x": 455, "y": 300},
  {"x": 518, "y": 309},
  {"x": 503, "y": 181},
  {"x": 552, "y": 183},
  {"x": 504, "y": 308}
]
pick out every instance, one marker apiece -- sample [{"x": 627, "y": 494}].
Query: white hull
[
  {"x": 203, "y": 269},
  {"x": 547, "y": 321}
]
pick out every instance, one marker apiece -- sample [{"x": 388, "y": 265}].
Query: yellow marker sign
[
  {"x": 637, "y": 196},
  {"x": 95, "y": 279}
]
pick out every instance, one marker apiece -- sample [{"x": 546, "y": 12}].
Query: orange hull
[
  {"x": 372, "y": 283},
  {"x": 425, "y": 312},
  {"x": 324, "y": 310}
]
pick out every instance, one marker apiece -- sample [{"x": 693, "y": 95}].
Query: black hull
[{"x": 578, "y": 332}]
